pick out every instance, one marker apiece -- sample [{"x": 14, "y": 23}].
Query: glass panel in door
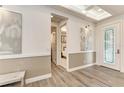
[{"x": 109, "y": 46}]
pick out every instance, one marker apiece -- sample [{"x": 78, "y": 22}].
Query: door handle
[{"x": 118, "y": 51}]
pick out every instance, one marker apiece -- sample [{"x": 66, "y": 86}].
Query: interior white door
[{"x": 111, "y": 46}]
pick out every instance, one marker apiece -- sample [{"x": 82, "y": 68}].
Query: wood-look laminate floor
[{"x": 95, "y": 76}]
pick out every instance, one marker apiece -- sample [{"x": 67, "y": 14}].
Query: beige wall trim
[
  {"x": 38, "y": 78},
  {"x": 23, "y": 56},
  {"x": 80, "y": 67}
]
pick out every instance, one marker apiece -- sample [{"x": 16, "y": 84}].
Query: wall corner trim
[
  {"x": 38, "y": 78},
  {"x": 80, "y": 67}
]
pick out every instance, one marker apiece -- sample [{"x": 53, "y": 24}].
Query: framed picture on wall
[
  {"x": 86, "y": 39},
  {"x": 10, "y": 32}
]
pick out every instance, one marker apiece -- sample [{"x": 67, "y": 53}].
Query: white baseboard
[
  {"x": 80, "y": 67},
  {"x": 38, "y": 78}
]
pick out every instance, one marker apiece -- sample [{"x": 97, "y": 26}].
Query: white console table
[{"x": 12, "y": 78}]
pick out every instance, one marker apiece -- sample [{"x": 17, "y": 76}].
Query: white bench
[{"x": 12, "y": 78}]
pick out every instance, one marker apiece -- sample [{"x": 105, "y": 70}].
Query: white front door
[{"x": 111, "y": 46}]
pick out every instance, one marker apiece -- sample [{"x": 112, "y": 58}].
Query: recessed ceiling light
[
  {"x": 84, "y": 11},
  {"x": 64, "y": 29},
  {"x": 51, "y": 16},
  {"x": 99, "y": 9}
]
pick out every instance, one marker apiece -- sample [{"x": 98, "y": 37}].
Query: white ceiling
[{"x": 113, "y": 9}]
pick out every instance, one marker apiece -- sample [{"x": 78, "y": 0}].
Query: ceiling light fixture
[
  {"x": 99, "y": 9},
  {"x": 84, "y": 11},
  {"x": 51, "y": 16}
]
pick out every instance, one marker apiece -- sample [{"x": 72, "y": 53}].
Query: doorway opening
[{"x": 59, "y": 54}]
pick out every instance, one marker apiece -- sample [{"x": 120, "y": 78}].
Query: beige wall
[
  {"x": 80, "y": 59},
  {"x": 34, "y": 66}
]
